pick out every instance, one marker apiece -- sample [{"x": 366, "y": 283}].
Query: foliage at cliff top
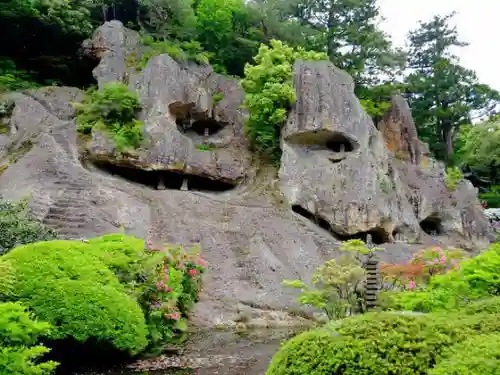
[
  {"x": 20, "y": 351},
  {"x": 108, "y": 288},
  {"x": 18, "y": 226},
  {"x": 269, "y": 94},
  {"x": 113, "y": 110}
]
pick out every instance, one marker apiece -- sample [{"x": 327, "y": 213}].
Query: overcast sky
[{"x": 478, "y": 24}]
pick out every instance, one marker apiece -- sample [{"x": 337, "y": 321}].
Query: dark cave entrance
[
  {"x": 205, "y": 127},
  {"x": 379, "y": 235},
  {"x": 189, "y": 121},
  {"x": 162, "y": 179},
  {"x": 339, "y": 143},
  {"x": 432, "y": 225}
]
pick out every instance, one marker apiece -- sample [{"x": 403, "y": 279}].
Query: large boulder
[
  {"x": 192, "y": 116},
  {"x": 337, "y": 170}
]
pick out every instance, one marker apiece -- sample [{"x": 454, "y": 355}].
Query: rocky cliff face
[{"x": 194, "y": 180}]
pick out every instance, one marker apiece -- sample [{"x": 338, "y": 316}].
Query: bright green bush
[
  {"x": 453, "y": 177},
  {"x": 112, "y": 109},
  {"x": 488, "y": 305},
  {"x": 65, "y": 284},
  {"x": 479, "y": 355},
  {"x": 474, "y": 279},
  {"x": 378, "y": 343},
  {"x": 108, "y": 288},
  {"x": 179, "y": 51},
  {"x": 18, "y": 226},
  {"x": 19, "y": 349},
  {"x": 269, "y": 94},
  {"x": 12, "y": 79}
]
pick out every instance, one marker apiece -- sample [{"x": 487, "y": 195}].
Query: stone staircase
[{"x": 69, "y": 214}]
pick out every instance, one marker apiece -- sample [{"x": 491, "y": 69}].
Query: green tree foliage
[
  {"x": 379, "y": 343},
  {"x": 442, "y": 93},
  {"x": 20, "y": 352},
  {"x": 18, "y": 226},
  {"x": 113, "y": 109},
  {"x": 269, "y": 94},
  {"x": 337, "y": 286}
]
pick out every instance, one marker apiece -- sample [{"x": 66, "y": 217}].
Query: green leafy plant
[
  {"x": 379, "y": 343},
  {"x": 479, "y": 355},
  {"x": 113, "y": 109},
  {"x": 20, "y": 352},
  {"x": 474, "y": 279},
  {"x": 110, "y": 288},
  {"x": 18, "y": 226},
  {"x": 217, "y": 97},
  {"x": 337, "y": 285},
  {"x": 179, "y": 51},
  {"x": 453, "y": 177},
  {"x": 269, "y": 94}
]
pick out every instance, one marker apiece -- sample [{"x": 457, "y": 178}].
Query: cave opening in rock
[
  {"x": 432, "y": 225},
  {"x": 162, "y": 179},
  {"x": 339, "y": 143},
  {"x": 206, "y": 127},
  {"x": 379, "y": 235}
]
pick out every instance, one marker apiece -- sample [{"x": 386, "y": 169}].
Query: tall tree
[{"x": 442, "y": 93}]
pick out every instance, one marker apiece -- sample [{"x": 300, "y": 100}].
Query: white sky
[{"x": 478, "y": 23}]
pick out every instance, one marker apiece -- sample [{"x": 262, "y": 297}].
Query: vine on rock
[{"x": 269, "y": 94}]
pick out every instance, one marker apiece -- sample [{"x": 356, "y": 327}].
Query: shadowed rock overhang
[
  {"x": 165, "y": 179},
  {"x": 379, "y": 235}
]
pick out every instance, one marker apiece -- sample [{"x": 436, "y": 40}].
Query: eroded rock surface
[
  {"x": 337, "y": 180},
  {"x": 192, "y": 116},
  {"x": 337, "y": 171}
]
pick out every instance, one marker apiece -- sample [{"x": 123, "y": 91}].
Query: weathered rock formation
[{"x": 335, "y": 170}]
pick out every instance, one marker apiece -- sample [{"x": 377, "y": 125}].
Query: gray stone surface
[{"x": 335, "y": 165}]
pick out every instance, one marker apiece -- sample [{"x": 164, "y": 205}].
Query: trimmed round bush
[
  {"x": 479, "y": 355},
  {"x": 378, "y": 343},
  {"x": 66, "y": 284}
]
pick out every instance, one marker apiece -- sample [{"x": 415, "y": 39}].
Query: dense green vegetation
[
  {"x": 456, "y": 331},
  {"x": 19, "y": 227},
  {"x": 112, "y": 109},
  {"x": 107, "y": 290}
]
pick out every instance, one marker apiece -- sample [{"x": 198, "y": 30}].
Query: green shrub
[
  {"x": 492, "y": 197},
  {"x": 109, "y": 288},
  {"x": 479, "y": 355},
  {"x": 18, "y": 226},
  {"x": 19, "y": 333},
  {"x": 378, "y": 343},
  {"x": 453, "y": 177},
  {"x": 476, "y": 278},
  {"x": 179, "y": 51},
  {"x": 269, "y": 94},
  {"x": 12, "y": 79},
  {"x": 113, "y": 109},
  {"x": 488, "y": 305},
  {"x": 65, "y": 284}
]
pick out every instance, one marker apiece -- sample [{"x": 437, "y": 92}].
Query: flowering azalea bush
[
  {"x": 170, "y": 291},
  {"x": 423, "y": 265}
]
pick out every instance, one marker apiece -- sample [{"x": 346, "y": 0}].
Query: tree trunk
[{"x": 448, "y": 140}]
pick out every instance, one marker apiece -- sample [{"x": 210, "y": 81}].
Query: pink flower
[
  {"x": 175, "y": 315},
  {"x": 160, "y": 285},
  {"x": 168, "y": 290},
  {"x": 202, "y": 263},
  {"x": 192, "y": 272},
  {"x": 412, "y": 285},
  {"x": 442, "y": 260}
]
